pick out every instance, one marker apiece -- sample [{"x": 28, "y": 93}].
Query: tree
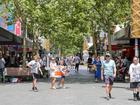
[
  {"x": 65, "y": 22},
  {"x": 111, "y": 12}
]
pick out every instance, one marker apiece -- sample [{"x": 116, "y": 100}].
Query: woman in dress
[
  {"x": 98, "y": 65},
  {"x": 53, "y": 68}
]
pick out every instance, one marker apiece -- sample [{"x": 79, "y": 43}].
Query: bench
[{"x": 16, "y": 72}]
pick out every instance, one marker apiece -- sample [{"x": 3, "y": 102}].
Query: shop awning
[
  {"x": 123, "y": 34},
  {"x": 8, "y": 38}
]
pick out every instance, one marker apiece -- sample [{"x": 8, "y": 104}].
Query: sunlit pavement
[{"x": 80, "y": 90}]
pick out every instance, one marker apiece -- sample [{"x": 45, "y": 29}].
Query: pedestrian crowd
[
  {"x": 105, "y": 68},
  {"x": 109, "y": 69}
]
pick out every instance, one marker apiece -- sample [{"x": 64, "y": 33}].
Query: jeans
[{"x": 2, "y": 75}]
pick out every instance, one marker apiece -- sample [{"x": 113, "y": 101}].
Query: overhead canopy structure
[
  {"x": 8, "y": 38},
  {"x": 135, "y": 26}
]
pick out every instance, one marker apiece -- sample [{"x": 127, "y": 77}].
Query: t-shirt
[
  {"x": 2, "y": 63},
  {"x": 77, "y": 59},
  {"x": 34, "y": 66},
  {"x": 53, "y": 66},
  {"x": 108, "y": 67},
  {"x": 134, "y": 72},
  {"x": 53, "y": 69}
]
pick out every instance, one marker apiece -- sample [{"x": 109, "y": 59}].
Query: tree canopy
[{"x": 65, "y": 22}]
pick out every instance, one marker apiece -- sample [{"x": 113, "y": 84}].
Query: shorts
[
  {"x": 109, "y": 80},
  {"x": 35, "y": 76},
  {"x": 63, "y": 77},
  {"x": 134, "y": 85}
]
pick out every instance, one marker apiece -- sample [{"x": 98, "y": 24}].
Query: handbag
[
  {"x": 58, "y": 73},
  {"x": 94, "y": 67}
]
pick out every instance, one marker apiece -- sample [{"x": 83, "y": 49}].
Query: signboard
[
  {"x": 18, "y": 28},
  {"x": 135, "y": 26}
]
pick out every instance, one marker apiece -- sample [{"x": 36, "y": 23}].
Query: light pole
[{"x": 135, "y": 32}]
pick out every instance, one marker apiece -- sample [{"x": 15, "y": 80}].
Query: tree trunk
[
  {"x": 109, "y": 41},
  {"x": 33, "y": 47},
  {"x": 24, "y": 45},
  {"x": 94, "y": 38},
  {"x": 94, "y": 44},
  {"x": 35, "y": 40}
]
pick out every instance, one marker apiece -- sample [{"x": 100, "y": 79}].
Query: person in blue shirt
[
  {"x": 98, "y": 65},
  {"x": 108, "y": 73}
]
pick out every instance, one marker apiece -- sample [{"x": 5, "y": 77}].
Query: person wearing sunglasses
[{"x": 108, "y": 73}]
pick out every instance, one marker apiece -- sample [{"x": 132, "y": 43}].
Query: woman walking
[
  {"x": 53, "y": 69},
  {"x": 98, "y": 65}
]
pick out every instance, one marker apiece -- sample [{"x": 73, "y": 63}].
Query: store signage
[{"x": 18, "y": 28}]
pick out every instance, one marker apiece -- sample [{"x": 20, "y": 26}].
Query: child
[
  {"x": 35, "y": 68},
  {"x": 64, "y": 71}
]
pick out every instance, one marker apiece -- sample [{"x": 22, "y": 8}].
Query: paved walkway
[{"x": 81, "y": 90}]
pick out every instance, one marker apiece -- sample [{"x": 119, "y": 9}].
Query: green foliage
[{"x": 65, "y": 22}]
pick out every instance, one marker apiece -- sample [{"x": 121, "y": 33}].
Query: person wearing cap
[
  {"x": 108, "y": 73},
  {"x": 134, "y": 71}
]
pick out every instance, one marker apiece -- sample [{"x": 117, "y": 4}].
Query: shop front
[
  {"x": 124, "y": 45},
  {"x": 12, "y": 49}
]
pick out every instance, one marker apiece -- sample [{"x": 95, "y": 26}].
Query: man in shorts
[
  {"x": 108, "y": 73},
  {"x": 35, "y": 68},
  {"x": 134, "y": 72}
]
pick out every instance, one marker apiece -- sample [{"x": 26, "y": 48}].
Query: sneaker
[
  {"x": 110, "y": 95},
  {"x": 53, "y": 87},
  {"x": 96, "y": 81},
  {"x": 107, "y": 97},
  {"x": 64, "y": 87},
  {"x": 138, "y": 98},
  {"x": 35, "y": 89},
  {"x": 135, "y": 96},
  {"x": 135, "y": 99}
]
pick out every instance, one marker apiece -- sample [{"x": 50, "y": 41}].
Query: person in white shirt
[
  {"x": 53, "y": 68},
  {"x": 134, "y": 71},
  {"x": 2, "y": 67},
  {"x": 35, "y": 68},
  {"x": 64, "y": 71}
]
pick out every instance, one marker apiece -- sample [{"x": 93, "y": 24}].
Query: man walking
[
  {"x": 134, "y": 72},
  {"x": 35, "y": 68},
  {"x": 77, "y": 62},
  {"x": 108, "y": 74}
]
